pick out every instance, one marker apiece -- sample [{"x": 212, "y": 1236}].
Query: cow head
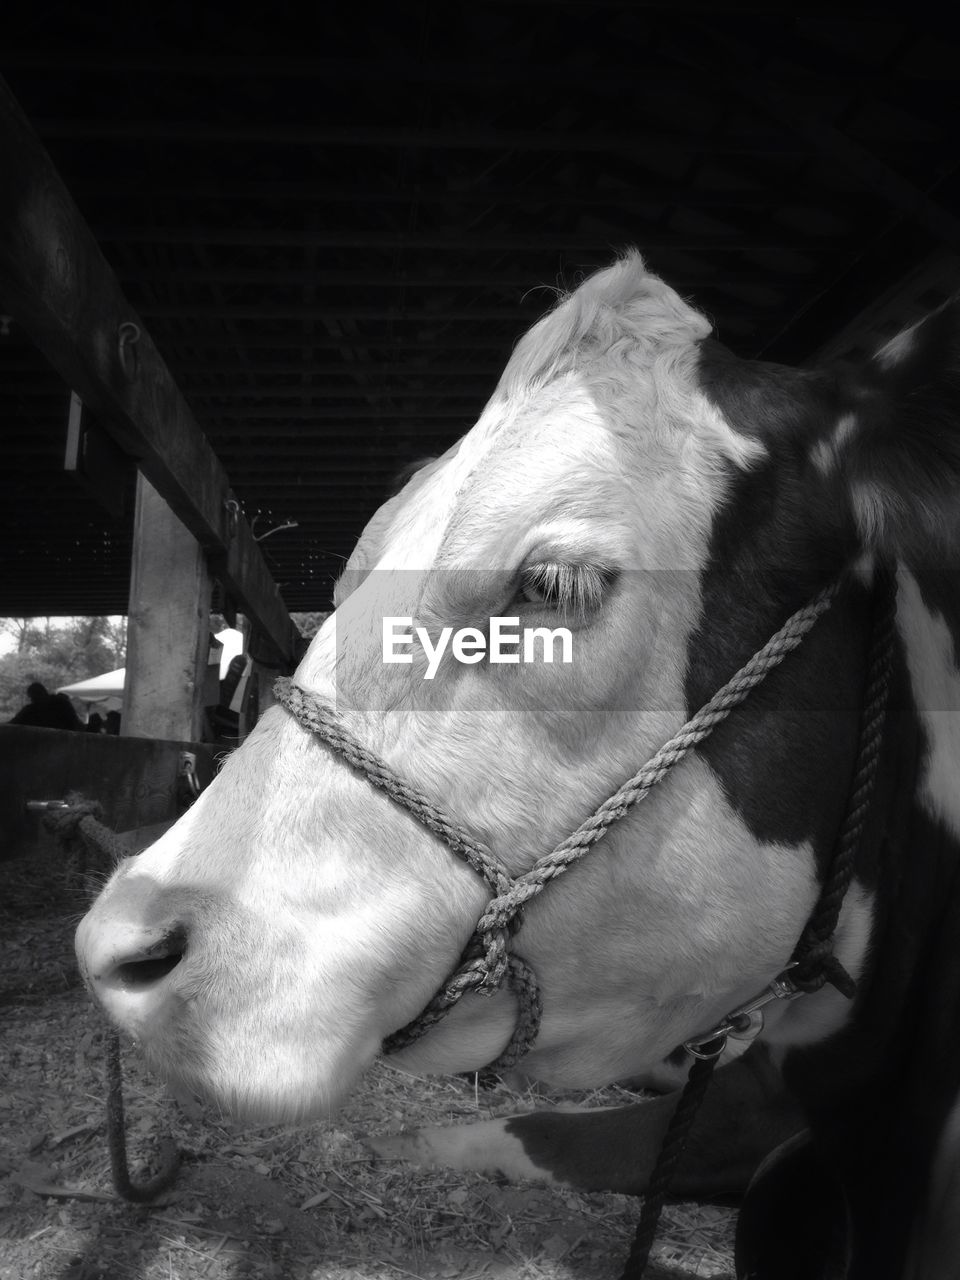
[{"x": 670, "y": 506}]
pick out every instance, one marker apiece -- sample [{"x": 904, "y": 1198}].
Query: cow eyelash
[{"x": 567, "y": 588}]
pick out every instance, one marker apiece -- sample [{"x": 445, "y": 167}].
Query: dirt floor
[{"x": 309, "y": 1203}]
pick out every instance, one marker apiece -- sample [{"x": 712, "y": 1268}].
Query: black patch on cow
[
  {"x": 879, "y": 1090},
  {"x": 744, "y": 1115},
  {"x": 794, "y": 1222},
  {"x": 785, "y": 757},
  {"x": 906, "y": 445},
  {"x": 773, "y": 403}
]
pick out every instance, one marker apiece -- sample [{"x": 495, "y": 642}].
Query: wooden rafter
[
  {"x": 356, "y": 138},
  {"x": 853, "y": 157},
  {"x": 475, "y": 244},
  {"x": 57, "y": 284}
]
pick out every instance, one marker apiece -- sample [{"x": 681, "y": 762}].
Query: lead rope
[
  {"x": 78, "y": 828},
  {"x": 813, "y": 963},
  {"x": 486, "y": 962}
]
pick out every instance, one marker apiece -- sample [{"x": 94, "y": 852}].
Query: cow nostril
[
  {"x": 134, "y": 974},
  {"x": 149, "y": 965}
]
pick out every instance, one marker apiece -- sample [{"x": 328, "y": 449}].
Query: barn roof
[{"x": 336, "y": 242}]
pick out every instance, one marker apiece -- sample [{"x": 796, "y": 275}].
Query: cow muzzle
[{"x": 130, "y": 968}]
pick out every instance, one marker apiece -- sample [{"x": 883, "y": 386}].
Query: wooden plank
[
  {"x": 551, "y": 244},
  {"x": 905, "y": 302},
  {"x": 395, "y": 345},
  {"x": 622, "y": 198},
  {"x": 270, "y": 397},
  {"x": 525, "y": 72},
  {"x": 193, "y": 132},
  {"x": 516, "y": 283},
  {"x": 56, "y": 283},
  {"x": 743, "y": 79},
  {"x": 203, "y": 374},
  {"x": 225, "y": 415},
  {"x": 168, "y": 626},
  {"x": 135, "y": 780},
  {"x": 338, "y": 311}
]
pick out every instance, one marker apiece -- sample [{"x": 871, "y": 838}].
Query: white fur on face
[
  {"x": 935, "y": 681},
  {"x": 322, "y": 917}
]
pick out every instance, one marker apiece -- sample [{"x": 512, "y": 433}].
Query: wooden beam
[
  {"x": 168, "y": 626},
  {"x": 518, "y": 282},
  {"x": 56, "y": 283},
  {"x": 367, "y": 385},
  {"x": 395, "y": 345},
  {"x": 187, "y": 312},
  {"x": 192, "y": 132},
  {"x": 639, "y": 197},
  {"x": 905, "y": 302},
  {"x": 280, "y": 419},
  {"x": 525, "y": 311},
  {"x": 197, "y": 375},
  {"x": 746, "y": 81},
  {"x": 648, "y": 73},
  {"x": 547, "y": 242},
  {"x": 276, "y": 399}
]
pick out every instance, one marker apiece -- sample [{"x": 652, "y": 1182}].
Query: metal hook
[
  {"x": 278, "y": 528},
  {"x": 128, "y": 335},
  {"x": 232, "y": 508},
  {"x": 188, "y": 772},
  {"x": 746, "y": 1021}
]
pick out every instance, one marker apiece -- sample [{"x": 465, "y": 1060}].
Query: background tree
[
  {"x": 308, "y": 624},
  {"x": 56, "y": 652}
]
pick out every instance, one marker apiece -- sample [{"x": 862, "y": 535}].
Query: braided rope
[
  {"x": 815, "y": 962},
  {"x": 78, "y": 828},
  {"x": 327, "y": 724},
  {"x": 635, "y": 789},
  {"x": 123, "y": 1184},
  {"x": 522, "y": 981},
  {"x": 668, "y": 1158},
  {"x": 485, "y": 963}
]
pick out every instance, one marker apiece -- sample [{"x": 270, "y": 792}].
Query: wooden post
[
  {"x": 57, "y": 284},
  {"x": 168, "y": 628}
]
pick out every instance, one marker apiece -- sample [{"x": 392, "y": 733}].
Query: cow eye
[{"x": 566, "y": 588}]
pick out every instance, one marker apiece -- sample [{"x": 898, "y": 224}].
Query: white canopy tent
[{"x": 105, "y": 693}]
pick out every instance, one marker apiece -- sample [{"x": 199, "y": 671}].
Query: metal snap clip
[
  {"x": 232, "y": 508},
  {"x": 128, "y": 335},
  {"x": 746, "y": 1021}
]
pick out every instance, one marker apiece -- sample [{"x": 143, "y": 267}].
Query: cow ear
[{"x": 897, "y": 446}]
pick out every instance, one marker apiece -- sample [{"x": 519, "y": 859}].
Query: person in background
[
  {"x": 36, "y": 708},
  {"x": 94, "y": 723},
  {"x": 46, "y": 710},
  {"x": 65, "y": 712},
  {"x": 113, "y": 722}
]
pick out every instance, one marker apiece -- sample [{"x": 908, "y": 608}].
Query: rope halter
[{"x": 487, "y": 961}]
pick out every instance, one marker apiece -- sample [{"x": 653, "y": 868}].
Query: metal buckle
[
  {"x": 745, "y": 1022},
  {"x": 187, "y": 770}
]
